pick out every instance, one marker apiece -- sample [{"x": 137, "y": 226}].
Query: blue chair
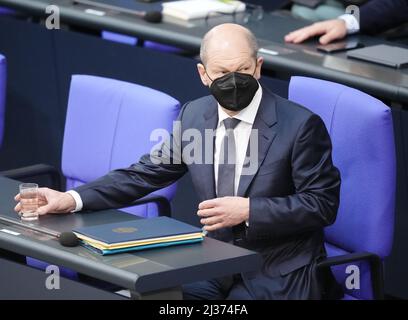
[
  {"x": 3, "y": 74},
  {"x": 361, "y": 130},
  {"x": 108, "y": 126},
  {"x": 133, "y": 41},
  {"x": 120, "y": 38},
  {"x": 6, "y": 11}
]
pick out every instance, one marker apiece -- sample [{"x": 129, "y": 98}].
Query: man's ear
[
  {"x": 259, "y": 62},
  {"x": 202, "y": 73}
]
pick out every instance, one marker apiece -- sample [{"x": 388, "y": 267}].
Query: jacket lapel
[
  {"x": 264, "y": 121},
  {"x": 207, "y": 168}
]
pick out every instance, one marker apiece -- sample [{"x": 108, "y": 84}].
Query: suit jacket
[
  {"x": 294, "y": 192},
  {"x": 377, "y": 16}
]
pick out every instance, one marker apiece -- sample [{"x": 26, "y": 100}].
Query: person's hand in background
[
  {"x": 51, "y": 201},
  {"x": 329, "y": 31}
]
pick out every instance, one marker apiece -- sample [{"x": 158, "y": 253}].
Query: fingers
[
  {"x": 45, "y": 209},
  {"x": 330, "y": 36},
  {"x": 305, "y": 33},
  {"x": 17, "y": 208},
  {"x": 211, "y": 213},
  {"x": 207, "y": 212},
  {"x": 41, "y": 203},
  {"x": 44, "y": 192},
  {"x": 327, "y": 38},
  {"x": 17, "y": 197},
  {"x": 330, "y": 30},
  {"x": 290, "y": 37},
  {"x": 211, "y": 221},
  {"x": 207, "y": 204},
  {"x": 213, "y": 227}
]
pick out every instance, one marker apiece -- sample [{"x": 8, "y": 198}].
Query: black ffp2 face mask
[{"x": 234, "y": 91}]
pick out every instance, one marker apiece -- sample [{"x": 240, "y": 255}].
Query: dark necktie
[
  {"x": 227, "y": 159},
  {"x": 226, "y": 174}
]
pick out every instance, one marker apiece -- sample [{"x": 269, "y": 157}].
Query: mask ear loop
[
  {"x": 208, "y": 75},
  {"x": 256, "y": 66}
]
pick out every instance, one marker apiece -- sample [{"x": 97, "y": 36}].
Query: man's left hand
[{"x": 223, "y": 212}]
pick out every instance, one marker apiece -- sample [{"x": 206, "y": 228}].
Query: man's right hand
[
  {"x": 329, "y": 31},
  {"x": 51, "y": 201}
]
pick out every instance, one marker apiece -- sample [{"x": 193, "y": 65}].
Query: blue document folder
[{"x": 137, "y": 235}]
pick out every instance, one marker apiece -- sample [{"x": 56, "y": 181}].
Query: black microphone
[
  {"x": 66, "y": 239},
  {"x": 151, "y": 16}
]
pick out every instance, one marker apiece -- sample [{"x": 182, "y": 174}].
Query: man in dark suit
[
  {"x": 375, "y": 16},
  {"x": 264, "y": 175}
]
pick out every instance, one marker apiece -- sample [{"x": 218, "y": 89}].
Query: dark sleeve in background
[{"x": 377, "y": 16}]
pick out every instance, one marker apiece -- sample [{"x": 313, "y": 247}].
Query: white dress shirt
[
  {"x": 78, "y": 200},
  {"x": 352, "y": 24},
  {"x": 242, "y": 133}
]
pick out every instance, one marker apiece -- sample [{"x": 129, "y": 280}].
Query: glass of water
[{"x": 29, "y": 201}]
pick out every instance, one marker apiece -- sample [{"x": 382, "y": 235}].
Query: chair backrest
[
  {"x": 6, "y": 11},
  {"x": 108, "y": 126},
  {"x": 3, "y": 77},
  {"x": 361, "y": 130},
  {"x": 118, "y": 37},
  {"x": 125, "y": 39}
]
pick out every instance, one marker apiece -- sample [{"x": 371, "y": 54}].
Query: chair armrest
[
  {"x": 163, "y": 203},
  {"x": 376, "y": 268},
  {"x": 36, "y": 170}
]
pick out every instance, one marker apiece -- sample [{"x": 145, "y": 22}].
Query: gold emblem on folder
[{"x": 124, "y": 230}]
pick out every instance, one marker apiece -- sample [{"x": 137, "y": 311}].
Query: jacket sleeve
[
  {"x": 377, "y": 16},
  {"x": 153, "y": 171},
  {"x": 317, "y": 186}
]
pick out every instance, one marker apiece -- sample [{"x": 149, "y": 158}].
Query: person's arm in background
[
  {"x": 375, "y": 16},
  {"x": 119, "y": 187}
]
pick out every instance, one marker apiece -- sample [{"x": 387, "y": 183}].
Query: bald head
[
  {"x": 228, "y": 38},
  {"x": 228, "y": 48}
]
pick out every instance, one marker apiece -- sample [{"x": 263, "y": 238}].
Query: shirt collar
[{"x": 247, "y": 114}]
